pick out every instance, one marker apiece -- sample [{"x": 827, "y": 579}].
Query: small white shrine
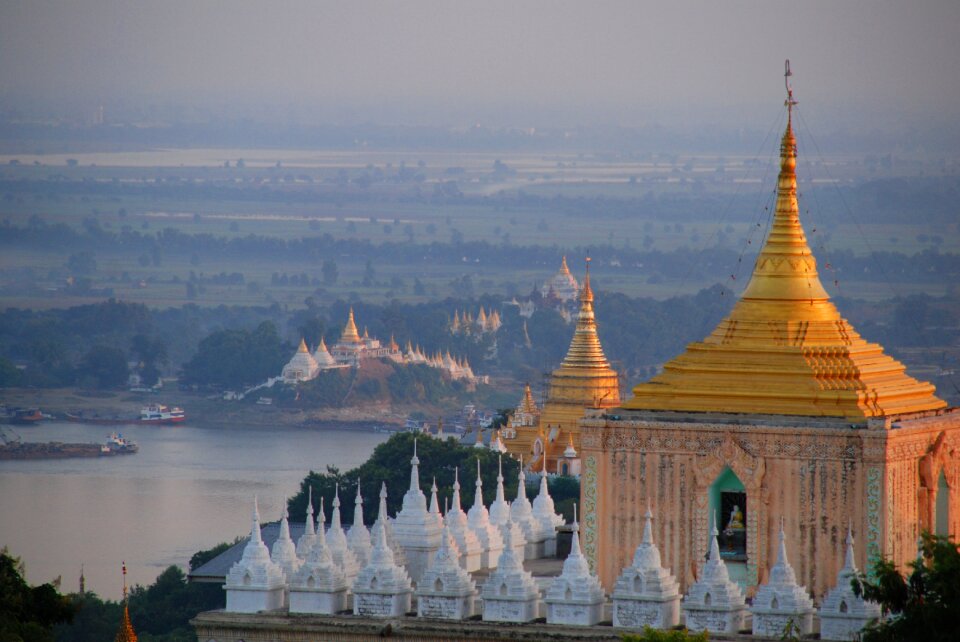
[
  {"x": 284, "y": 551},
  {"x": 646, "y": 594},
  {"x": 545, "y": 513},
  {"x": 308, "y": 537},
  {"x": 446, "y": 590},
  {"x": 322, "y": 356},
  {"x": 382, "y": 589},
  {"x": 417, "y": 531},
  {"x": 337, "y": 540},
  {"x": 575, "y": 597},
  {"x": 319, "y": 586},
  {"x": 358, "y": 537},
  {"x": 714, "y": 602},
  {"x": 255, "y": 583},
  {"x": 500, "y": 516},
  {"x": 510, "y": 593},
  {"x": 384, "y": 522},
  {"x": 491, "y": 541},
  {"x": 301, "y": 367},
  {"x": 455, "y": 520},
  {"x": 521, "y": 513},
  {"x": 781, "y": 600},
  {"x": 842, "y": 613}
]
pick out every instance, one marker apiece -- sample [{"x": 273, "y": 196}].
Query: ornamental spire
[
  {"x": 350, "y": 334},
  {"x": 125, "y": 633}
]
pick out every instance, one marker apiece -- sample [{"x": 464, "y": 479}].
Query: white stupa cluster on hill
[
  {"x": 477, "y": 326},
  {"x": 352, "y": 349},
  {"x": 425, "y": 561}
]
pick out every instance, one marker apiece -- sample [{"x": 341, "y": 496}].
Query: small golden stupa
[
  {"x": 125, "y": 633},
  {"x": 350, "y": 334},
  {"x": 784, "y": 349}
]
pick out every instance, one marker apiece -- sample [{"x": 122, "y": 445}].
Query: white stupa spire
[
  {"x": 714, "y": 603},
  {"x": 284, "y": 551},
  {"x": 510, "y": 593},
  {"x": 646, "y": 594},
  {"x": 521, "y": 513},
  {"x": 446, "y": 590},
  {"x": 320, "y": 585},
  {"x": 545, "y": 514},
  {"x": 457, "y": 523},
  {"x": 781, "y": 598},
  {"x": 499, "y": 510},
  {"x": 435, "y": 504},
  {"x": 417, "y": 530},
  {"x": 489, "y": 535},
  {"x": 306, "y": 539},
  {"x": 575, "y": 587},
  {"x": 255, "y": 582},
  {"x": 382, "y": 588},
  {"x": 843, "y": 613},
  {"x": 358, "y": 537},
  {"x": 414, "y": 470},
  {"x": 337, "y": 540},
  {"x": 384, "y": 522}
]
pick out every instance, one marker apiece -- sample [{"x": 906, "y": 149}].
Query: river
[{"x": 188, "y": 488}]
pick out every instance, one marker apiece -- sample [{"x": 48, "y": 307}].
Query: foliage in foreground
[
  {"x": 674, "y": 635},
  {"x": 925, "y": 604},
  {"x": 28, "y": 613}
]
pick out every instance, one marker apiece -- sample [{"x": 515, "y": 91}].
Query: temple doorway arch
[
  {"x": 728, "y": 507},
  {"x": 941, "y": 506}
]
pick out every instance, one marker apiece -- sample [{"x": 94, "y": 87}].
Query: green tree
[
  {"x": 151, "y": 354},
  {"x": 330, "y": 272},
  {"x": 28, "y": 614},
  {"x": 677, "y": 635},
  {"x": 82, "y": 263},
  {"x": 236, "y": 358},
  {"x": 106, "y": 366},
  {"x": 369, "y": 274},
  {"x": 923, "y": 605},
  {"x": 9, "y": 375}
]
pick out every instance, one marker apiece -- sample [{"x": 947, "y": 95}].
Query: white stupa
[
  {"x": 435, "y": 504},
  {"x": 781, "y": 600},
  {"x": 646, "y": 594},
  {"x": 714, "y": 602},
  {"x": 358, "y": 537},
  {"x": 417, "y": 531},
  {"x": 384, "y": 522},
  {"x": 456, "y": 522},
  {"x": 843, "y": 614},
  {"x": 284, "y": 551},
  {"x": 545, "y": 513},
  {"x": 254, "y": 583},
  {"x": 319, "y": 586},
  {"x": 323, "y": 357},
  {"x": 478, "y": 519},
  {"x": 521, "y": 513},
  {"x": 308, "y": 537},
  {"x": 337, "y": 540},
  {"x": 510, "y": 593},
  {"x": 301, "y": 367},
  {"x": 446, "y": 590},
  {"x": 500, "y": 515},
  {"x": 382, "y": 589},
  {"x": 575, "y": 596}
]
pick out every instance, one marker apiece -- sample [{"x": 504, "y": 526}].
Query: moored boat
[
  {"x": 158, "y": 413},
  {"x": 116, "y": 444}
]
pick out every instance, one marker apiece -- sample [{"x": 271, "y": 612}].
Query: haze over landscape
[{"x": 309, "y": 224}]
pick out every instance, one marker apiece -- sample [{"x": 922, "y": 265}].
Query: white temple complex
[{"x": 255, "y": 583}]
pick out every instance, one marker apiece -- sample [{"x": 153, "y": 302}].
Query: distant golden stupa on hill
[{"x": 782, "y": 412}]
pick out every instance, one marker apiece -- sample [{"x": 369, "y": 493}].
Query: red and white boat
[{"x": 158, "y": 413}]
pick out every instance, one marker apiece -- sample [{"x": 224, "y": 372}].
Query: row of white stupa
[{"x": 423, "y": 554}]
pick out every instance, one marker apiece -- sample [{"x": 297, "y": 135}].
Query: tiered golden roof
[
  {"x": 350, "y": 334},
  {"x": 784, "y": 348},
  {"x": 585, "y": 377}
]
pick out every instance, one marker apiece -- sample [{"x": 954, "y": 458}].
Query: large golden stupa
[
  {"x": 584, "y": 380},
  {"x": 785, "y": 349}
]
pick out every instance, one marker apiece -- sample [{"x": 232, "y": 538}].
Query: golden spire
[
  {"x": 563, "y": 266},
  {"x": 784, "y": 348},
  {"x": 350, "y": 334},
  {"x": 125, "y": 633},
  {"x": 303, "y": 346},
  {"x": 585, "y": 351}
]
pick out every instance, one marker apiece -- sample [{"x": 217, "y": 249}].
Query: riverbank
[{"x": 202, "y": 409}]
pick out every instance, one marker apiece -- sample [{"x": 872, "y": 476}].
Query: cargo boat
[{"x": 158, "y": 413}]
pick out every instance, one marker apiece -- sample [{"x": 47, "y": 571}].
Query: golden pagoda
[
  {"x": 583, "y": 380},
  {"x": 784, "y": 349},
  {"x": 125, "y": 633},
  {"x": 350, "y": 334}
]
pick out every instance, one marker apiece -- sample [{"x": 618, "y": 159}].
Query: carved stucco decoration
[{"x": 750, "y": 470}]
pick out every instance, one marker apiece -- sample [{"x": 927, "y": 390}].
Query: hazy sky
[{"x": 520, "y": 62}]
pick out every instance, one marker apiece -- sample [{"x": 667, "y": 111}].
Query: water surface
[{"x": 188, "y": 488}]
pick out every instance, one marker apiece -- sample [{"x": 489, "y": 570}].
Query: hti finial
[
  {"x": 124, "y": 567},
  {"x": 790, "y": 102}
]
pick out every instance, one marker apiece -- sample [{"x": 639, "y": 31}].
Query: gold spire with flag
[
  {"x": 784, "y": 348},
  {"x": 126, "y": 632}
]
